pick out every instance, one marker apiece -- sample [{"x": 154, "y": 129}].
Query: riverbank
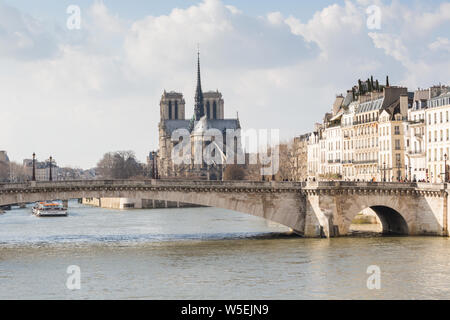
[{"x": 127, "y": 203}]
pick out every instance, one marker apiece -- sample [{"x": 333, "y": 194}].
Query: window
[
  {"x": 397, "y": 144},
  {"x": 208, "y": 110},
  {"x": 397, "y": 130},
  {"x": 176, "y": 110},
  {"x": 214, "y": 110}
]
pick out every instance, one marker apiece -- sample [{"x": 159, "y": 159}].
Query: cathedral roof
[{"x": 220, "y": 124}]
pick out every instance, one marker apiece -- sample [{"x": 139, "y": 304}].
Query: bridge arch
[
  {"x": 278, "y": 202},
  {"x": 396, "y": 214},
  {"x": 392, "y": 222}
]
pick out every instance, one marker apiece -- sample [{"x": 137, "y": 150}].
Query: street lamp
[
  {"x": 50, "y": 174},
  {"x": 153, "y": 172},
  {"x": 33, "y": 178}
]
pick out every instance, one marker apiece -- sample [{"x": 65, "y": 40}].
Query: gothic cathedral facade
[{"x": 208, "y": 114}]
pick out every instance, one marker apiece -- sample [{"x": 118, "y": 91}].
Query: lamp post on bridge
[
  {"x": 154, "y": 165},
  {"x": 50, "y": 173},
  {"x": 33, "y": 177},
  {"x": 384, "y": 171}
]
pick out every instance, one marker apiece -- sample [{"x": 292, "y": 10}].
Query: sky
[{"x": 76, "y": 94}]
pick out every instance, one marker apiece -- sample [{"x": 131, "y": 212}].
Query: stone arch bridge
[{"x": 313, "y": 209}]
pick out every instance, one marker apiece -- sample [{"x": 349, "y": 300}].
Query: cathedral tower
[{"x": 172, "y": 106}]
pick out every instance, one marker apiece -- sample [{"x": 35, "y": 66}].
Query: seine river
[{"x": 206, "y": 253}]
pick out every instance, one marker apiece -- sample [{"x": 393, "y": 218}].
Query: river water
[{"x": 206, "y": 253}]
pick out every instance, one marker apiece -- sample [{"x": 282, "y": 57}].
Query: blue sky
[
  {"x": 278, "y": 63},
  {"x": 136, "y": 9}
]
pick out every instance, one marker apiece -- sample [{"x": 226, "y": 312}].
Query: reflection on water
[{"x": 205, "y": 253}]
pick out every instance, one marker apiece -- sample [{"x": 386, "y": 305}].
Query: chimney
[{"x": 404, "y": 105}]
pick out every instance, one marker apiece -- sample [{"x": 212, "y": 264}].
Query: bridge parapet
[{"x": 188, "y": 185}]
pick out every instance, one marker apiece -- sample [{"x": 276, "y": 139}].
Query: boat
[{"x": 49, "y": 209}]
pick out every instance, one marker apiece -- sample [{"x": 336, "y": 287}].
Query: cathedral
[{"x": 208, "y": 114}]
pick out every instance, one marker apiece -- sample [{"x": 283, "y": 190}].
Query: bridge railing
[
  {"x": 234, "y": 184},
  {"x": 381, "y": 185}
]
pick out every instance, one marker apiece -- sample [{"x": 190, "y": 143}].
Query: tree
[
  {"x": 286, "y": 170},
  {"x": 120, "y": 165},
  {"x": 18, "y": 172},
  {"x": 377, "y": 86},
  {"x": 234, "y": 172}
]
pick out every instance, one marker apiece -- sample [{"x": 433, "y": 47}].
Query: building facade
[
  {"x": 353, "y": 143},
  {"x": 438, "y": 136},
  {"x": 42, "y": 170},
  {"x": 4, "y": 166}
]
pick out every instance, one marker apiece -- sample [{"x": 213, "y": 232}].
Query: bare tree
[
  {"x": 234, "y": 172},
  {"x": 120, "y": 165},
  {"x": 18, "y": 173}
]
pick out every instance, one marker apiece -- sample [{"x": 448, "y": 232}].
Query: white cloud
[
  {"x": 392, "y": 46},
  {"x": 24, "y": 37},
  {"x": 275, "y": 17},
  {"x": 330, "y": 28},
  {"x": 440, "y": 44}
]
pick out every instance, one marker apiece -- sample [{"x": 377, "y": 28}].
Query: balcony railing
[
  {"x": 420, "y": 121},
  {"x": 334, "y": 161},
  {"x": 364, "y": 122},
  {"x": 365, "y": 161},
  {"x": 416, "y": 153}
]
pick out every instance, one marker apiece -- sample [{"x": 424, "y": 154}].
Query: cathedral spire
[{"x": 198, "y": 108}]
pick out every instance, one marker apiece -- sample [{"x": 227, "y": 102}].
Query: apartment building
[
  {"x": 349, "y": 137},
  {"x": 437, "y": 117},
  {"x": 313, "y": 153}
]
